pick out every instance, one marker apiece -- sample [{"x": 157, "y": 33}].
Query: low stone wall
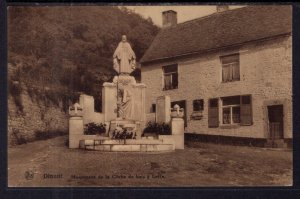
[{"x": 35, "y": 117}]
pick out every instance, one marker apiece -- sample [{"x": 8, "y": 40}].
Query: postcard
[{"x": 149, "y": 95}]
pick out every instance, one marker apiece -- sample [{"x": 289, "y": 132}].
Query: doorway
[
  {"x": 275, "y": 115},
  {"x": 182, "y": 104}
]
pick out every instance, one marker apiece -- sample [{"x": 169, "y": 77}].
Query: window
[
  {"x": 231, "y": 110},
  {"x": 198, "y": 105},
  {"x": 153, "y": 108},
  {"x": 237, "y": 110},
  {"x": 230, "y": 68},
  {"x": 170, "y": 77}
]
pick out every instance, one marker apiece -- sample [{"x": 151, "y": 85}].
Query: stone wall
[
  {"x": 35, "y": 117},
  {"x": 265, "y": 73},
  {"x": 87, "y": 102}
]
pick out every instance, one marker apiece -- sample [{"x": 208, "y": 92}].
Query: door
[
  {"x": 275, "y": 114},
  {"x": 182, "y": 104}
]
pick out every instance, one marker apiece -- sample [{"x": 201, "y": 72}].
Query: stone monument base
[
  {"x": 131, "y": 125},
  {"x": 129, "y": 145}
]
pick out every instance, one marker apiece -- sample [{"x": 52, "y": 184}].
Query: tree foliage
[{"x": 72, "y": 46}]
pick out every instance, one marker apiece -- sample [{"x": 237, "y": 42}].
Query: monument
[
  {"x": 124, "y": 57},
  {"x": 123, "y": 112},
  {"x": 124, "y": 99}
]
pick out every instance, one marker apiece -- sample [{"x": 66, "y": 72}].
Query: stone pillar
[
  {"x": 177, "y": 126},
  {"x": 87, "y": 102},
  {"x": 141, "y": 101},
  {"x": 163, "y": 106},
  {"x": 75, "y": 131},
  {"x": 109, "y": 101},
  {"x": 75, "y": 125}
]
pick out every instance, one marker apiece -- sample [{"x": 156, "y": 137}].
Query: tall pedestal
[
  {"x": 177, "y": 125},
  {"x": 109, "y": 101},
  {"x": 163, "y": 106},
  {"x": 124, "y": 90},
  {"x": 75, "y": 131}
]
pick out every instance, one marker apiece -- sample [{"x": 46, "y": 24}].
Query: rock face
[{"x": 34, "y": 118}]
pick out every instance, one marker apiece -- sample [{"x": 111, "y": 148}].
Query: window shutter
[
  {"x": 246, "y": 110},
  {"x": 213, "y": 113}
]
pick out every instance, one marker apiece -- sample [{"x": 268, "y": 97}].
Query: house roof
[{"x": 218, "y": 30}]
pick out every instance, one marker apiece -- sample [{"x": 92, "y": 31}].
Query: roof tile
[{"x": 219, "y": 30}]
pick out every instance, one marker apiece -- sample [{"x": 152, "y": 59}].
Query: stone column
[
  {"x": 177, "y": 126},
  {"x": 87, "y": 102},
  {"x": 75, "y": 131},
  {"x": 75, "y": 125},
  {"x": 109, "y": 101},
  {"x": 140, "y": 101},
  {"x": 163, "y": 106}
]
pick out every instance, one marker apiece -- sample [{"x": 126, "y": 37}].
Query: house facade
[{"x": 231, "y": 71}]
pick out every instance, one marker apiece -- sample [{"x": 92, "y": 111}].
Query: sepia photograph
[{"x": 149, "y": 95}]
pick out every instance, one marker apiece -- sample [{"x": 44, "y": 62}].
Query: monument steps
[{"x": 130, "y": 145}]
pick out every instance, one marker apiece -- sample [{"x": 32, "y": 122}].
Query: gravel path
[{"x": 199, "y": 164}]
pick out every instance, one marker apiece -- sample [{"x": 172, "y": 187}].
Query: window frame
[
  {"x": 240, "y": 105},
  {"x": 202, "y": 105},
  {"x": 231, "y": 114},
  {"x": 230, "y": 106},
  {"x": 153, "y": 108},
  {"x": 164, "y": 74},
  {"x": 231, "y": 65}
]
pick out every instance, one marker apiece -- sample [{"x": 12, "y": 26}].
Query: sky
[{"x": 184, "y": 13}]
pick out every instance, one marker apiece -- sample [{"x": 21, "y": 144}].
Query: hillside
[{"x": 56, "y": 52}]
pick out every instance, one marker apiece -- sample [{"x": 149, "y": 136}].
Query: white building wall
[{"x": 265, "y": 73}]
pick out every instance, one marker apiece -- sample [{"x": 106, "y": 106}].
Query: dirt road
[{"x": 50, "y": 163}]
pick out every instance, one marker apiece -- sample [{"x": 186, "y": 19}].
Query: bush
[
  {"x": 123, "y": 134},
  {"x": 158, "y": 128},
  {"x": 93, "y": 128}
]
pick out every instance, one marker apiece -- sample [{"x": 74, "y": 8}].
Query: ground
[{"x": 199, "y": 164}]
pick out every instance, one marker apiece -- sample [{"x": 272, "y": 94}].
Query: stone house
[{"x": 231, "y": 71}]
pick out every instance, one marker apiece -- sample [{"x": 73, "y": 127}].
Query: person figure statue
[
  {"x": 125, "y": 105},
  {"x": 124, "y": 57}
]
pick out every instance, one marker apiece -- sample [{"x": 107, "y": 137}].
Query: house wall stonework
[{"x": 265, "y": 74}]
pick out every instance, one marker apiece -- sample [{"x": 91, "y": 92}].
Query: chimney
[
  {"x": 222, "y": 8},
  {"x": 169, "y": 18}
]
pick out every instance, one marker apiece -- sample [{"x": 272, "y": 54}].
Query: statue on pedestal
[
  {"x": 124, "y": 64},
  {"x": 124, "y": 57}
]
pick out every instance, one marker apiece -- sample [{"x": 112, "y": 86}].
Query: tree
[{"x": 41, "y": 38}]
